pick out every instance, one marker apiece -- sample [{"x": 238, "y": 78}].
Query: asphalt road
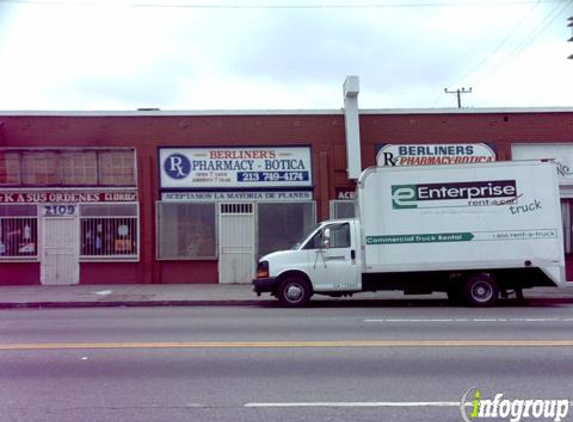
[{"x": 263, "y": 363}]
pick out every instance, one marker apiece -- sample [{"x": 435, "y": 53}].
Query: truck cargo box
[{"x": 435, "y": 218}]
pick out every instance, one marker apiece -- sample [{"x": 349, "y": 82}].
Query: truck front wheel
[
  {"x": 481, "y": 290},
  {"x": 294, "y": 291}
]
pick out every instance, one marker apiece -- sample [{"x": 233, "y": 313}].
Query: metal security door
[
  {"x": 236, "y": 243},
  {"x": 60, "y": 253}
]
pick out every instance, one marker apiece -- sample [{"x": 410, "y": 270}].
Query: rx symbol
[{"x": 177, "y": 166}]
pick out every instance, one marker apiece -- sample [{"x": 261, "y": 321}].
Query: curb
[
  {"x": 365, "y": 302},
  {"x": 115, "y": 304}
]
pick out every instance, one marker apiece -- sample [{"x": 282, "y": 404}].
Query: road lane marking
[
  {"x": 468, "y": 320},
  {"x": 288, "y": 344},
  {"x": 358, "y": 404}
]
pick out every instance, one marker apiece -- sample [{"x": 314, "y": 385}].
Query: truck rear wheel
[
  {"x": 481, "y": 290},
  {"x": 294, "y": 292}
]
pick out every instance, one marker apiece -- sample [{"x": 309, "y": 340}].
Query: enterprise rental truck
[{"x": 473, "y": 231}]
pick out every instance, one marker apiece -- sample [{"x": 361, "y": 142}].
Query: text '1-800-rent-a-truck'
[{"x": 474, "y": 231}]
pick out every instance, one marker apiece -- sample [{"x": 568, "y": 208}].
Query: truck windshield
[{"x": 304, "y": 237}]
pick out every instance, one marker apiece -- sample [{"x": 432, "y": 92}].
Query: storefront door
[
  {"x": 236, "y": 243},
  {"x": 60, "y": 252}
]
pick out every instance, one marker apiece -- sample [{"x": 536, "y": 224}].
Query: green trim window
[
  {"x": 113, "y": 167},
  {"x": 10, "y": 168}
]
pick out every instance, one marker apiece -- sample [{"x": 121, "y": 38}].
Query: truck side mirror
[{"x": 325, "y": 238}]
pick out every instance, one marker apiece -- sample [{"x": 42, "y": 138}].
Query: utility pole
[{"x": 459, "y": 93}]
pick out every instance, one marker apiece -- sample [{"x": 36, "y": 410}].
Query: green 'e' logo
[{"x": 404, "y": 197}]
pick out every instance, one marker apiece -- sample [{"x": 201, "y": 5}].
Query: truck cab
[{"x": 327, "y": 260}]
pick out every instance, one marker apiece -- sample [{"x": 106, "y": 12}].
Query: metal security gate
[
  {"x": 236, "y": 243},
  {"x": 60, "y": 252}
]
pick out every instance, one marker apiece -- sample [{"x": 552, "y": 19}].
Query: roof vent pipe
[{"x": 352, "y": 125}]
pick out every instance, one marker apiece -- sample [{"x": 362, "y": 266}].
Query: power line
[
  {"x": 400, "y": 5},
  {"x": 537, "y": 31},
  {"x": 501, "y": 44},
  {"x": 495, "y": 50},
  {"x": 543, "y": 29}
]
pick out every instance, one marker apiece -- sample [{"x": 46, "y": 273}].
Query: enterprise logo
[{"x": 493, "y": 192}]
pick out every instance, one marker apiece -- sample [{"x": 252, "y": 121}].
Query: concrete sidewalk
[{"x": 202, "y": 295}]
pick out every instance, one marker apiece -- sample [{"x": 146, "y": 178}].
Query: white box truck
[{"x": 473, "y": 231}]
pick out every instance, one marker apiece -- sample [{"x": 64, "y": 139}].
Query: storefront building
[
  {"x": 233, "y": 204},
  {"x": 60, "y": 207},
  {"x": 184, "y": 197}
]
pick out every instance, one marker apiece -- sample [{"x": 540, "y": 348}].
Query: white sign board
[
  {"x": 235, "y": 168},
  {"x": 391, "y": 155},
  {"x": 561, "y": 154},
  {"x": 280, "y": 196}
]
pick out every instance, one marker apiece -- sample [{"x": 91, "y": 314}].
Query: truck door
[{"x": 332, "y": 258}]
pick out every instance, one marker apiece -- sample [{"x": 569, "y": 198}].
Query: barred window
[
  {"x": 109, "y": 231},
  {"x": 186, "y": 231},
  {"x": 18, "y": 232},
  {"x": 117, "y": 168},
  {"x": 9, "y": 168}
]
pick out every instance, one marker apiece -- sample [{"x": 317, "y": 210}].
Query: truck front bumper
[{"x": 264, "y": 285}]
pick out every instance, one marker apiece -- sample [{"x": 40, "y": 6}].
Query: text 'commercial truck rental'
[{"x": 474, "y": 231}]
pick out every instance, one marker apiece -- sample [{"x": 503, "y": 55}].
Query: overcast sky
[{"x": 283, "y": 54}]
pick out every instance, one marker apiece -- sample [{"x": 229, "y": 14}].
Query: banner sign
[
  {"x": 237, "y": 196},
  {"x": 254, "y": 167},
  {"x": 22, "y": 197},
  {"x": 561, "y": 154},
  {"x": 432, "y": 154}
]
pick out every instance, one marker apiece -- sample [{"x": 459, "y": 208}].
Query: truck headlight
[{"x": 263, "y": 269}]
